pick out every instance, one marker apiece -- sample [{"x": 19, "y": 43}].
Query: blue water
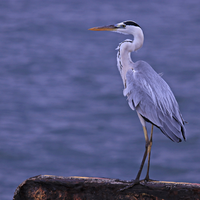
[{"x": 62, "y": 111}]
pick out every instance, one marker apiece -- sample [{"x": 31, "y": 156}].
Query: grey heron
[{"x": 146, "y": 91}]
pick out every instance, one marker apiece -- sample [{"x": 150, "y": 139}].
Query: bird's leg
[
  {"x": 145, "y": 154},
  {"x": 137, "y": 179},
  {"x": 149, "y": 154}
]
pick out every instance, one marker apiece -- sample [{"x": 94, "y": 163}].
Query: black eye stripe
[
  {"x": 122, "y": 26},
  {"x": 131, "y": 23}
]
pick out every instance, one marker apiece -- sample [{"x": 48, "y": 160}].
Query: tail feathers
[
  {"x": 183, "y": 130},
  {"x": 166, "y": 131},
  {"x": 174, "y": 132}
]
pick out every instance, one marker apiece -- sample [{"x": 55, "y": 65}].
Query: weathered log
[{"x": 45, "y": 187}]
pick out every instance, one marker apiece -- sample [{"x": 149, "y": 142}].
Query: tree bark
[{"x": 45, "y": 187}]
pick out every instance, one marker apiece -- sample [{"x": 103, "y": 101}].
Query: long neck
[
  {"x": 124, "y": 60},
  {"x": 129, "y": 46}
]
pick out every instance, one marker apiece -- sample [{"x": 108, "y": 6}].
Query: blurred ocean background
[{"x": 62, "y": 111}]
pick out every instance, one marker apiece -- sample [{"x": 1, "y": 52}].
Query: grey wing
[{"x": 155, "y": 102}]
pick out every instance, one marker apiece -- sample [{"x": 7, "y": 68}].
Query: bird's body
[
  {"x": 146, "y": 91},
  {"x": 152, "y": 98}
]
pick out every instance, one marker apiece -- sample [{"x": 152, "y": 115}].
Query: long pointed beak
[{"x": 104, "y": 28}]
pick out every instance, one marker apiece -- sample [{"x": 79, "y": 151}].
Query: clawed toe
[
  {"x": 135, "y": 182},
  {"x": 148, "y": 180}
]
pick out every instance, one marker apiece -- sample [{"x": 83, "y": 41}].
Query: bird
[{"x": 146, "y": 91}]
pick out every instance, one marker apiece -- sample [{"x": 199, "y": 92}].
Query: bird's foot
[
  {"x": 136, "y": 182},
  {"x": 147, "y": 179}
]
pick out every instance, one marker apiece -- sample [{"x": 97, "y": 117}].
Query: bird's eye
[{"x": 122, "y": 26}]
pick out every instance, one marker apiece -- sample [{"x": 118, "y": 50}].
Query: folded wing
[{"x": 152, "y": 98}]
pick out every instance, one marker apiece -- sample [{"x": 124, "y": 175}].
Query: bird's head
[{"x": 125, "y": 27}]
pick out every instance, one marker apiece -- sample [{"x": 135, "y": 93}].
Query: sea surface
[{"x": 62, "y": 109}]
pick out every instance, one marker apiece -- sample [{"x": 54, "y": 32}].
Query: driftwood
[{"x": 45, "y": 187}]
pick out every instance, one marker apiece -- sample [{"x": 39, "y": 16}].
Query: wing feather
[{"x": 152, "y": 98}]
